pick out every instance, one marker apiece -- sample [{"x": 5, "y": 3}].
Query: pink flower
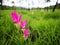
[
  {"x": 23, "y": 24},
  {"x": 25, "y": 33},
  {"x": 16, "y": 18}
]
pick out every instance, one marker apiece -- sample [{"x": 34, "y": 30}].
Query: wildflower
[
  {"x": 23, "y": 24},
  {"x": 16, "y": 19},
  {"x": 18, "y": 22},
  {"x": 25, "y": 33}
]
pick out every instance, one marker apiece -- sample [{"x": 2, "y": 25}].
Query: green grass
[{"x": 43, "y": 25}]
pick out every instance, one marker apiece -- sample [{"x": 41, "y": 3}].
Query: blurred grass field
[{"x": 43, "y": 25}]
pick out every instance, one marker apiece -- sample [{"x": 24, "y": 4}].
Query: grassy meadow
[{"x": 44, "y": 27}]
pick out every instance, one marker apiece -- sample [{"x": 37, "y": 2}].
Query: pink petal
[
  {"x": 23, "y": 24},
  {"x": 16, "y": 18},
  {"x": 25, "y": 32},
  {"x": 20, "y": 18}
]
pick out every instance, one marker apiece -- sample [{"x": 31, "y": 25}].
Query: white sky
[{"x": 30, "y": 3}]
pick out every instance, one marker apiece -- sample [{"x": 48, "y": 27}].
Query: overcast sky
[{"x": 30, "y": 3}]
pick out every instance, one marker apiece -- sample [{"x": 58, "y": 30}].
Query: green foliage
[{"x": 44, "y": 28}]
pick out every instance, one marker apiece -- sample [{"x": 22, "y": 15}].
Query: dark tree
[
  {"x": 55, "y": 6},
  {"x": 47, "y": 0},
  {"x": 13, "y": 5},
  {"x": 1, "y": 4}
]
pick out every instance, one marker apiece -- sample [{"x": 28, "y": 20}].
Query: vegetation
[{"x": 44, "y": 27}]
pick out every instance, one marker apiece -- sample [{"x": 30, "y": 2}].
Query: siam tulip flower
[
  {"x": 23, "y": 24},
  {"x": 18, "y": 22},
  {"x": 25, "y": 33},
  {"x": 16, "y": 19}
]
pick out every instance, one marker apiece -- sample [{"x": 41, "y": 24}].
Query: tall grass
[{"x": 44, "y": 28}]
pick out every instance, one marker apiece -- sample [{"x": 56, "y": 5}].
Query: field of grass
[{"x": 44, "y": 28}]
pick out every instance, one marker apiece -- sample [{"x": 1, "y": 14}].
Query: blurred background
[
  {"x": 43, "y": 22},
  {"x": 29, "y": 4}
]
